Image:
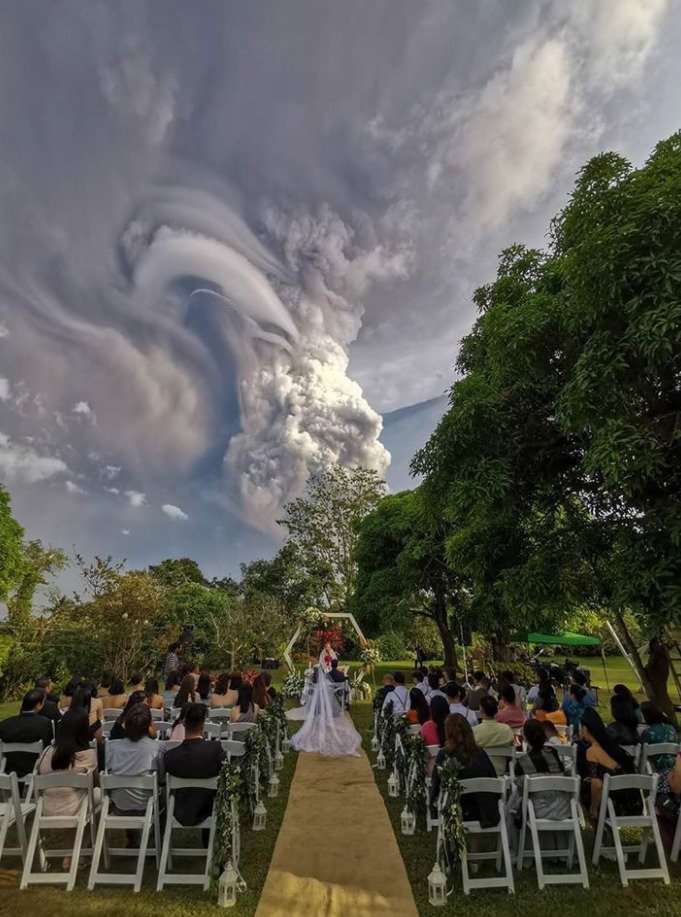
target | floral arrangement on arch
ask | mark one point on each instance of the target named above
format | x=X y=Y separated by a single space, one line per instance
x=370 y=656
x=331 y=635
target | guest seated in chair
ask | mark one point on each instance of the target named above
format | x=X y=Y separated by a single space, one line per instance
x=509 y=712
x=474 y=761
x=419 y=711
x=29 y=726
x=397 y=702
x=624 y=726
x=245 y=710
x=116 y=699
x=605 y=756
x=489 y=733
x=195 y=758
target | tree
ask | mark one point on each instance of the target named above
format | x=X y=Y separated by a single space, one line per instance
x=177 y=570
x=11 y=540
x=322 y=528
x=558 y=464
x=403 y=572
x=39 y=562
x=256 y=626
x=282 y=579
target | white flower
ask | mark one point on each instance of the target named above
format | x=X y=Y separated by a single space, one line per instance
x=125 y=615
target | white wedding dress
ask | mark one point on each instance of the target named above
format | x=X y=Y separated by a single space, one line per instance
x=326 y=729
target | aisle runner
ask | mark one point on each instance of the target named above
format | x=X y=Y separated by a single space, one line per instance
x=336 y=854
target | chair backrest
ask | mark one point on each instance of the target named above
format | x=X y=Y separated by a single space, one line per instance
x=568 y=755
x=415 y=729
x=496 y=785
x=9 y=788
x=233 y=749
x=62 y=778
x=190 y=783
x=660 y=748
x=9 y=748
x=212 y=730
x=157 y=714
x=163 y=730
x=219 y=713
x=646 y=783
x=107 y=727
x=119 y=781
x=541 y=783
x=633 y=750
x=500 y=751
x=240 y=727
x=433 y=750
x=112 y=713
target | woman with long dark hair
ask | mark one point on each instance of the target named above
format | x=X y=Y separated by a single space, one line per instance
x=245 y=710
x=220 y=696
x=186 y=694
x=204 y=686
x=624 y=726
x=625 y=692
x=474 y=762
x=70 y=752
x=418 y=711
x=605 y=756
x=260 y=696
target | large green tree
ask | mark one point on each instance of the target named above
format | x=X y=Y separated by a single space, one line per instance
x=322 y=529
x=11 y=541
x=558 y=464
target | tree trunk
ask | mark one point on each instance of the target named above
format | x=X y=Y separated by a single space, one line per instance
x=632 y=649
x=501 y=649
x=657 y=672
x=448 y=641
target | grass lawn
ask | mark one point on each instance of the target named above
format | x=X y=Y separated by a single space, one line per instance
x=605 y=898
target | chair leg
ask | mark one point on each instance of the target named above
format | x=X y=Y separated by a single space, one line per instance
x=617 y=840
x=659 y=846
x=581 y=858
x=643 y=851
x=209 y=855
x=4 y=828
x=32 y=844
x=598 y=842
x=144 y=843
x=78 y=843
x=99 y=843
x=507 y=854
x=166 y=844
x=536 y=846
x=676 y=844
x=571 y=852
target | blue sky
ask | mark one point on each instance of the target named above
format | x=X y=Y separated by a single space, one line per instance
x=239 y=243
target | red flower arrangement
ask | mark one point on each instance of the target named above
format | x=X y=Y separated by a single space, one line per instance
x=331 y=635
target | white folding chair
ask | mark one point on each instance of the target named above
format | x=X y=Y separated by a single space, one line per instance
x=163 y=730
x=157 y=714
x=676 y=843
x=83 y=818
x=220 y=715
x=415 y=729
x=507 y=752
x=237 y=729
x=13 y=812
x=212 y=730
x=112 y=713
x=652 y=751
x=502 y=856
x=647 y=821
x=563 y=731
x=571 y=826
x=233 y=749
x=30 y=748
x=634 y=751
x=168 y=852
x=108 y=821
x=107 y=726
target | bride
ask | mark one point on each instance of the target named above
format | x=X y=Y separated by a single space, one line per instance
x=326 y=730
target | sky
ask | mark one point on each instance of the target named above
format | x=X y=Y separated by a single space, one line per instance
x=239 y=242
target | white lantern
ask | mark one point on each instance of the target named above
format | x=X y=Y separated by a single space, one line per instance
x=227 y=886
x=278 y=760
x=380 y=760
x=259 y=817
x=408 y=820
x=392 y=785
x=273 y=788
x=286 y=744
x=437 y=887
x=375 y=743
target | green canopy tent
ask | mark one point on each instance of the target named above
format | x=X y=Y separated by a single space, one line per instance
x=567 y=638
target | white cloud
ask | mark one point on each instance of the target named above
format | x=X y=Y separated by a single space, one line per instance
x=4 y=330
x=173 y=512
x=23 y=463
x=74 y=488
x=111 y=471
x=135 y=498
x=5 y=391
x=125 y=531
x=83 y=409
x=112 y=490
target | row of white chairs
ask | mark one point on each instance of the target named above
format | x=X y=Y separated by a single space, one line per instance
x=212 y=730
x=532 y=827
x=96 y=819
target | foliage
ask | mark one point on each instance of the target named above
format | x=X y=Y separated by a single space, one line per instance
x=403 y=570
x=255 y=766
x=416 y=792
x=322 y=529
x=283 y=579
x=392 y=645
x=39 y=562
x=175 y=571
x=293 y=686
x=11 y=554
x=257 y=625
x=230 y=785
x=452 y=816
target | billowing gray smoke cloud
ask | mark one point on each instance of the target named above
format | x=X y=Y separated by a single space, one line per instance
x=271 y=211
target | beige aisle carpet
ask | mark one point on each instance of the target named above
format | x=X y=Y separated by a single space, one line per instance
x=336 y=854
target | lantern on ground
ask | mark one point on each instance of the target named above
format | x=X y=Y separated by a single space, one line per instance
x=286 y=744
x=259 y=817
x=380 y=760
x=437 y=887
x=273 y=786
x=278 y=760
x=408 y=820
x=227 y=884
x=375 y=744
x=392 y=785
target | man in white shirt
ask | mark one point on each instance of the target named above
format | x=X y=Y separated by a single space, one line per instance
x=455 y=694
x=419 y=678
x=435 y=685
x=490 y=733
x=397 y=702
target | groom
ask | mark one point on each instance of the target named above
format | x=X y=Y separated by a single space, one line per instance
x=334 y=674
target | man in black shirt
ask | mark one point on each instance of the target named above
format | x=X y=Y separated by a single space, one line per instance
x=28 y=726
x=334 y=674
x=198 y=759
x=51 y=703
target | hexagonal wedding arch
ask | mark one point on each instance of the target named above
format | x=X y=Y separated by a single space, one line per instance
x=327 y=614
